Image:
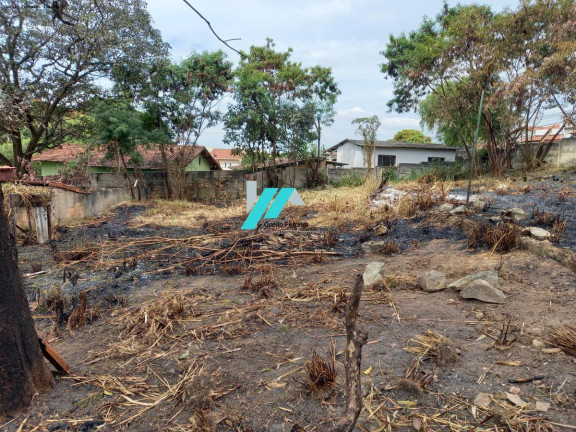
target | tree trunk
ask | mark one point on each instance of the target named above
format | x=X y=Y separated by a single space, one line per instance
x=23 y=371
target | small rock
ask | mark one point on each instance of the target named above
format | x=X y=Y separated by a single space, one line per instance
x=479 y=205
x=373 y=273
x=483 y=400
x=458 y=210
x=373 y=246
x=515 y=213
x=380 y=230
x=490 y=276
x=537 y=343
x=483 y=291
x=445 y=207
x=540 y=406
x=536 y=331
x=537 y=233
x=515 y=399
x=514 y=390
x=432 y=281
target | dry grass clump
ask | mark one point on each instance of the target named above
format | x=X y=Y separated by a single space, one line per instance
x=340 y=301
x=156 y=318
x=187 y=214
x=394 y=282
x=262 y=281
x=331 y=238
x=501 y=239
x=390 y=247
x=547 y=218
x=433 y=345
x=563 y=336
x=425 y=201
x=320 y=374
x=415 y=381
x=558 y=230
x=84 y=252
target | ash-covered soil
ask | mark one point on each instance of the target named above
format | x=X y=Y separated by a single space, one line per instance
x=200 y=337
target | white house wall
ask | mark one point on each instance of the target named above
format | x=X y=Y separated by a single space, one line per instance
x=353 y=155
x=415 y=156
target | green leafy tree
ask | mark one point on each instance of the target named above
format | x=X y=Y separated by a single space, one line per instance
x=182 y=100
x=368 y=127
x=411 y=136
x=468 y=49
x=51 y=66
x=279 y=106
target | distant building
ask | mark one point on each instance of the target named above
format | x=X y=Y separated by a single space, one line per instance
x=52 y=161
x=225 y=158
x=389 y=153
x=548 y=133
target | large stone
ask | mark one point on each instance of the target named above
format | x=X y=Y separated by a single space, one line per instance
x=445 y=207
x=537 y=233
x=373 y=273
x=515 y=213
x=373 y=246
x=458 y=210
x=490 y=276
x=483 y=291
x=432 y=281
x=478 y=205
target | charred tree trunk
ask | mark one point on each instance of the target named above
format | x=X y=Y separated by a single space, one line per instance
x=355 y=340
x=23 y=371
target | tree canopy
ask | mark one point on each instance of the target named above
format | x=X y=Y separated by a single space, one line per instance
x=50 y=67
x=467 y=49
x=412 y=136
x=279 y=106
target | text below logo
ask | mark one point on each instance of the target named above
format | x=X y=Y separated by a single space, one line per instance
x=268 y=205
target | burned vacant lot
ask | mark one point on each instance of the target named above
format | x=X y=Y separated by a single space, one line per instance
x=171 y=318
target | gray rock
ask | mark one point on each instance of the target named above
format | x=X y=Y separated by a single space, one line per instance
x=490 y=276
x=483 y=291
x=537 y=233
x=479 y=205
x=373 y=246
x=432 y=281
x=458 y=210
x=515 y=213
x=373 y=273
x=445 y=207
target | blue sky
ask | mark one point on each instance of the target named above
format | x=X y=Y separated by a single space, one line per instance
x=346 y=35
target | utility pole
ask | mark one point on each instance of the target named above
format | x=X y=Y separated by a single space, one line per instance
x=473 y=164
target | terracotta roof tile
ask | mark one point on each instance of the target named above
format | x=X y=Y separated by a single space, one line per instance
x=152 y=158
x=225 y=154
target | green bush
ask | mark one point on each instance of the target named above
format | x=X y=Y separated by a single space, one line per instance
x=439 y=171
x=350 y=180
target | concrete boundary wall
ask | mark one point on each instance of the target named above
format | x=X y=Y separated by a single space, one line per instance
x=562 y=153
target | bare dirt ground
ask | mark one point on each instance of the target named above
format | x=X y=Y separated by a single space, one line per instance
x=196 y=326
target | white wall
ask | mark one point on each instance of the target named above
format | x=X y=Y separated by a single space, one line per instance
x=353 y=155
x=415 y=156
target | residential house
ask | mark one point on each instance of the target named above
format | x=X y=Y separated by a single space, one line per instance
x=389 y=153
x=548 y=133
x=225 y=158
x=53 y=161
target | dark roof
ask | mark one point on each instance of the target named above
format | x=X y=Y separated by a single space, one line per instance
x=395 y=144
x=152 y=158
